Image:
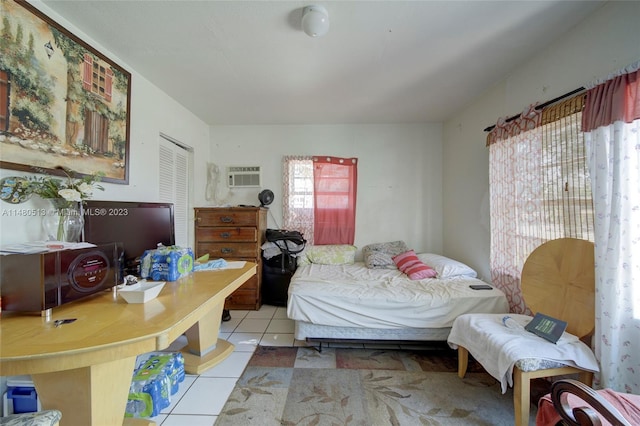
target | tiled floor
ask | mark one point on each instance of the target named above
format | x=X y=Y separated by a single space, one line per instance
x=200 y=398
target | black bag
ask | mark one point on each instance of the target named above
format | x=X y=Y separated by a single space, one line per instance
x=282 y=262
x=282 y=238
x=275 y=235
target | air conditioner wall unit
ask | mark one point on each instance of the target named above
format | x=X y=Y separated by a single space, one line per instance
x=243 y=176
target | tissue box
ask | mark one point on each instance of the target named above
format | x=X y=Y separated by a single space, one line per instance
x=154 y=381
x=166 y=263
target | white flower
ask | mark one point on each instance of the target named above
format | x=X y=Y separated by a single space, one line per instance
x=70 y=194
x=86 y=189
x=70 y=189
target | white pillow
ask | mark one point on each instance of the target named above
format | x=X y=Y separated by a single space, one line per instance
x=445 y=267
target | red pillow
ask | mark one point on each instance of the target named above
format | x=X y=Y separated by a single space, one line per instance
x=409 y=263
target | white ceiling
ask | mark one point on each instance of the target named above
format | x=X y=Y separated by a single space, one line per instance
x=248 y=62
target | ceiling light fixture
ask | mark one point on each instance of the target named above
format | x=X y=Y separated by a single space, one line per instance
x=315 y=21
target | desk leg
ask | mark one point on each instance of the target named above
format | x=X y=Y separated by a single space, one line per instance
x=204 y=350
x=94 y=395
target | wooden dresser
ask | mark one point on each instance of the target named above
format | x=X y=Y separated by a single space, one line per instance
x=234 y=233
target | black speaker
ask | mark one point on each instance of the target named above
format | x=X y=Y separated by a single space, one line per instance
x=41 y=281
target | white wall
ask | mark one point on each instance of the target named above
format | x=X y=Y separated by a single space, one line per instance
x=399 y=173
x=412 y=186
x=606 y=41
x=152 y=113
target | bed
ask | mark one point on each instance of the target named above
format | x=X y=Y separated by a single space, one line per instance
x=333 y=297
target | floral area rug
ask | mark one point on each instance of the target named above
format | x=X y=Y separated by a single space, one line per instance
x=301 y=386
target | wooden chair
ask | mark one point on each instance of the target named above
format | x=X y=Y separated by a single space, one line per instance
x=558 y=279
x=584 y=415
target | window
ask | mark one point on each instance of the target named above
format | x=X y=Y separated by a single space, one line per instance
x=97 y=78
x=334 y=185
x=539 y=188
x=320 y=197
x=297 y=197
x=568 y=205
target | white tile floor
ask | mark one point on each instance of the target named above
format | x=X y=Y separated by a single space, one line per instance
x=200 y=398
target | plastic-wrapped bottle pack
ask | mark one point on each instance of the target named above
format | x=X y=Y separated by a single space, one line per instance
x=156 y=378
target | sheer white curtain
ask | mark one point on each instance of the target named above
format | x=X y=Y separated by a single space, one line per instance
x=539 y=188
x=515 y=178
x=297 y=195
x=613 y=148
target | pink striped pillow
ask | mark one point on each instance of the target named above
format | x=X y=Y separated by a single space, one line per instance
x=409 y=263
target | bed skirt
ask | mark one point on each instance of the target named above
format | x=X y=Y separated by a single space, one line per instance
x=308 y=331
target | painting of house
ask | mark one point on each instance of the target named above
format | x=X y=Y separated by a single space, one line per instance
x=62 y=104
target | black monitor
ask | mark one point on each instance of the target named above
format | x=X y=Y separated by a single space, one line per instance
x=139 y=226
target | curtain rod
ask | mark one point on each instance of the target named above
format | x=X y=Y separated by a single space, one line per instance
x=545 y=104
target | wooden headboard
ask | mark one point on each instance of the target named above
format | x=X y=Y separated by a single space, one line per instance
x=558 y=279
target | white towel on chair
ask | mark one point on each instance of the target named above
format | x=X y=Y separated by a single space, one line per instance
x=498 y=348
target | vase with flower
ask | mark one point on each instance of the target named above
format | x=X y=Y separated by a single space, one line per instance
x=64 y=221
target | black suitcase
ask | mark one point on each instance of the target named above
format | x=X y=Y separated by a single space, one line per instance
x=276 y=276
x=278 y=270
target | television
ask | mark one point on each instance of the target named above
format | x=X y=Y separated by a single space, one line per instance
x=137 y=225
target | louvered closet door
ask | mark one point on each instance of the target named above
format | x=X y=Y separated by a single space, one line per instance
x=174 y=175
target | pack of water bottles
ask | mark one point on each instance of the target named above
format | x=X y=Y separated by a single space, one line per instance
x=166 y=263
x=157 y=377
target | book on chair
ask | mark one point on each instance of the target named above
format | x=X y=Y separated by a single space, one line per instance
x=547 y=327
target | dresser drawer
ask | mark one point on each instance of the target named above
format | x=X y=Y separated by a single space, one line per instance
x=233 y=233
x=221 y=234
x=227 y=217
x=229 y=250
x=247 y=296
x=243 y=300
x=251 y=285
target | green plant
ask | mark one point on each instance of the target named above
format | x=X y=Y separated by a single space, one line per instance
x=70 y=189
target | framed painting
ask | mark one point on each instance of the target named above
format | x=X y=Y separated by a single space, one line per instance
x=62 y=103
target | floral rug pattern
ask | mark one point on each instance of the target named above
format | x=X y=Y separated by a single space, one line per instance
x=363 y=387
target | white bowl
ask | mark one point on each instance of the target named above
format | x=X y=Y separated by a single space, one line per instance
x=141 y=292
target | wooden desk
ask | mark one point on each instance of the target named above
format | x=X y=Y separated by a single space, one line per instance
x=85 y=368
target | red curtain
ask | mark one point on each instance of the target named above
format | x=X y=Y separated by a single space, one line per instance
x=617 y=99
x=335 y=181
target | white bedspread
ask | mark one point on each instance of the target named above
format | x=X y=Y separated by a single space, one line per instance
x=498 y=348
x=357 y=296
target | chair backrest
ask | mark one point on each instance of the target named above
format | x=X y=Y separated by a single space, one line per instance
x=588 y=406
x=558 y=279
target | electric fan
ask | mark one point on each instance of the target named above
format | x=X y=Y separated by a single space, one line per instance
x=266 y=197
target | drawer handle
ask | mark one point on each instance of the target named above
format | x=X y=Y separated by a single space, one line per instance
x=226 y=219
x=227 y=250
x=225 y=234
